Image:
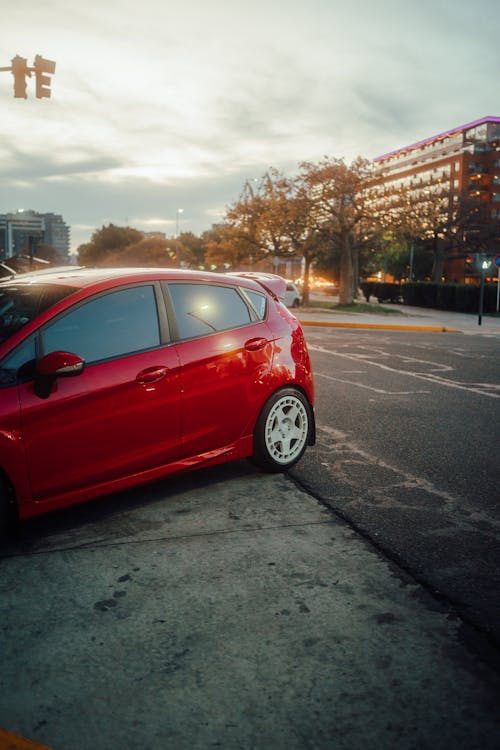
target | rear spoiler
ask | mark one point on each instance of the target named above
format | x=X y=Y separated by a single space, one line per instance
x=275 y=285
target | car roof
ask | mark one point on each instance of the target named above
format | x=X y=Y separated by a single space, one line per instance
x=80 y=277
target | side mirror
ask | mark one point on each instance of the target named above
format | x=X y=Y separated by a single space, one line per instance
x=55 y=365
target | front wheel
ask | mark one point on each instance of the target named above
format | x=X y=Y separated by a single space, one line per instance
x=282 y=430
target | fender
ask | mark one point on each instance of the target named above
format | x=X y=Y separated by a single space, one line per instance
x=12 y=451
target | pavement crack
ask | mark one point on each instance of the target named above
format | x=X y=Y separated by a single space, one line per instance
x=163 y=538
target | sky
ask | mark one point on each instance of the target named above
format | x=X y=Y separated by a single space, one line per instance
x=159 y=106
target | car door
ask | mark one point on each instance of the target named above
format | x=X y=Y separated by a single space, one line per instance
x=225 y=351
x=121 y=415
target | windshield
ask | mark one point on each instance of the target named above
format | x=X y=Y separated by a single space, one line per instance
x=19 y=304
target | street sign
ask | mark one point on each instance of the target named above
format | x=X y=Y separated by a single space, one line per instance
x=496 y=261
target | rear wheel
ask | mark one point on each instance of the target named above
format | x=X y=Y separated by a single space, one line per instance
x=282 y=430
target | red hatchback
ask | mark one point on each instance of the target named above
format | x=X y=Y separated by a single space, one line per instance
x=114 y=377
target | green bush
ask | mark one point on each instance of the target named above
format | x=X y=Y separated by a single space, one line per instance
x=457 y=297
x=490 y=298
x=368 y=289
x=412 y=293
x=383 y=291
x=467 y=298
x=446 y=296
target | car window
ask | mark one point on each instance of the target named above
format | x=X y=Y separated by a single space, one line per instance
x=201 y=309
x=110 y=325
x=11 y=364
x=258 y=301
x=19 y=304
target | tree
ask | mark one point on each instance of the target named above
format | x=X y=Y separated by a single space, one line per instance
x=192 y=250
x=47 y=252
x=106 y=241
x=275 y=220
x=341 y=195
x=225 y=249
x=149 y=252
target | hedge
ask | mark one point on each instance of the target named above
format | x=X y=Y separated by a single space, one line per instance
x=457 y=297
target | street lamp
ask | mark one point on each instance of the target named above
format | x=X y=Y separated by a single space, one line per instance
x=177 y=221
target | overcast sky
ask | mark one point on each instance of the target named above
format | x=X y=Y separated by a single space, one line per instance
x=159 y=105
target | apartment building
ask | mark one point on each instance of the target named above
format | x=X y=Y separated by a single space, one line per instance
x=461 y=169
x=17 y=227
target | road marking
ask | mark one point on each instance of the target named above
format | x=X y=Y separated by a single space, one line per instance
x=490 y=390
x=368 y=387
x=330 y=438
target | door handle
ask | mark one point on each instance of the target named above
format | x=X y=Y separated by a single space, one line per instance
x=151 y=375
x=254 y=345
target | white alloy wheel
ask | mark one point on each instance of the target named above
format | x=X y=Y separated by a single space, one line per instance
x=282 y=430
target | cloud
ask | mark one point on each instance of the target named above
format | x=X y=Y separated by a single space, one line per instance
x=158 y=106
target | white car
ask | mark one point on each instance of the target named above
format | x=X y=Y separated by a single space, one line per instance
x=292 y=295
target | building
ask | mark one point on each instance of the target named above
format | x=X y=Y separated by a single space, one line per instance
x=22 y=229
x=461 y=169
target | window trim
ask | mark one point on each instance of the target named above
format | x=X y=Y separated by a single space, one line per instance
x=174 y=327
x=161 y=314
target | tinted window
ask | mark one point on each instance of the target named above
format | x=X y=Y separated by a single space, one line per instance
x=258 y=303
x=110 y=325
x=19 y=304
x=201 y=309
x=11 y=364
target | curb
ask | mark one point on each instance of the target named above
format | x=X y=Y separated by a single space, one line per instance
x=11 y=741
x=379 y=326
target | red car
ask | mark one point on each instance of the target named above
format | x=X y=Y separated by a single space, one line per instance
x=114 y=377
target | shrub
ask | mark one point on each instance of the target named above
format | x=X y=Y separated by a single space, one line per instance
x=446 y=296
x=467 y=298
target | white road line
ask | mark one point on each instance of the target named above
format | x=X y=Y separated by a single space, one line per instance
x=368 y=387
x=490 y=390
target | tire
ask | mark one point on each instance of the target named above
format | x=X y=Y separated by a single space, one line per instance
x=296 y=302
x=282 y=430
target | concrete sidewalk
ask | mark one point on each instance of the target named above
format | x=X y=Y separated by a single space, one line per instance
x=403 y=318
x=229 y=609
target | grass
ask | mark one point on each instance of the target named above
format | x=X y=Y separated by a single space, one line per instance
x=358 y=307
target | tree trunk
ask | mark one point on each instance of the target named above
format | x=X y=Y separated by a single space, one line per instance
x=438 y=263
x=346 y=296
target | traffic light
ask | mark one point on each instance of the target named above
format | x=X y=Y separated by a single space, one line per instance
x=43 y=70
x=20 y=70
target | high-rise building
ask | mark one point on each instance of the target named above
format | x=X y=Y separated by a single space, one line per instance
x=19 y=229
x=460 y=167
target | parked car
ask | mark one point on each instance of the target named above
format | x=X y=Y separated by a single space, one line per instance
x=292 y=295
x=114 y=377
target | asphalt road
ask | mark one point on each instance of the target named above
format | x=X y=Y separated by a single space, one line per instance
x=408 y=453
x=229 y=608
